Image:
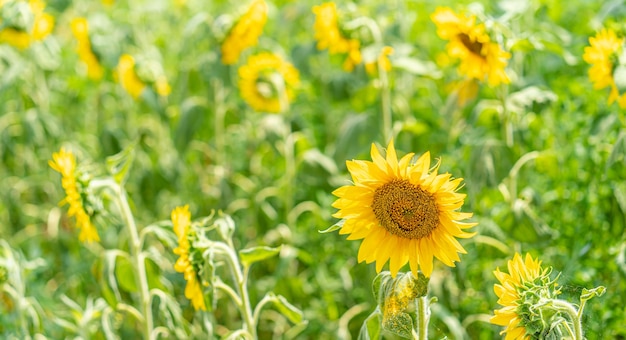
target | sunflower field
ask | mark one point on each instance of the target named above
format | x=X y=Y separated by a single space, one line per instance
x=275 y=169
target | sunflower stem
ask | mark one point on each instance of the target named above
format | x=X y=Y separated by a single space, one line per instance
x=385 y=101
x=571 y=311
x=138 y=259
x=220 y=112
x=241 y=280
x=507 y=126
x=423 y=317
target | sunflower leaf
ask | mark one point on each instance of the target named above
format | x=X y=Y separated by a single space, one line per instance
x=371 y=326
x=333 y=227
x=250 y=255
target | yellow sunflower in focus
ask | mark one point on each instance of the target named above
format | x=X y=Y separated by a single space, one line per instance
x=267 y=82
x=602 y=55
x=245 y=33
x=127 y=76
x=181 y=220
x=329 y=35
x=469 y=42
x=64 y=162
x=22 y=37
x=522 y=272
x=403 y=212
x=80 y=28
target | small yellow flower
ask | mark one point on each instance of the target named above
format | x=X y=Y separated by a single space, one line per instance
x=267 y=82
x=64 y=162
x=181 y=220
x=329 y=36
x=80 y=28
x=245 y=33
x=127 y=76
x=602 y=54
x=403 y=212
x=42 y=26
x=480 y=57
x=383 y=59
x=522 y=272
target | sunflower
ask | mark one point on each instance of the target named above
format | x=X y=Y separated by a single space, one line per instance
x=267 y=82
x=329 y=36
x=21 y=37
x=602 y=55
x=245 y=33
x=80 y=28
x=480 y=57
x=64 y=162
x=524 y=275
x=403 y=212
x=127 y=76
x=181 y=220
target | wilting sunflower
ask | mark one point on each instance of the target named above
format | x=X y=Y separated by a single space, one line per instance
x=267 y=82
x=17 y=34
x=181 y=220
x=603 y=55
x=329 y=35
x=480 y=57
x=403 y=212
x=525 y=275
x=65 y=163
x=245 y=33
x=127 y=76
x=80 y=28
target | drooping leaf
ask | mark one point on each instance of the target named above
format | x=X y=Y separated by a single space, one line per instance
x=333 y=227
x=119 y=164
x=291 y=312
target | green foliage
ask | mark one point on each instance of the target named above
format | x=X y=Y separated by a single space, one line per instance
x=542 y=160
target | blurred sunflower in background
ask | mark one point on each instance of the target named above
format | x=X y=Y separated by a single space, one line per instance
x=80 y=28
x=403 y=212
x=329 y=35
x=24 y=22
x=181 y=221
x=245 y=32
x=267 y=82
x=604 y=56
x=480 y=58
x=64 y=162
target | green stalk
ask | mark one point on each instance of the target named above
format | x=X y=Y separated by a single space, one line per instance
x=241 y=280
x=571 y=311
x=423 y=316
x=138 y=258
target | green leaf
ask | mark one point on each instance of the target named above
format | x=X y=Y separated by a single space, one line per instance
x=250 y=255
x=591 y=293
x=371 y=326
x=333 y=227
x=125 y=275
x=119 y=164
x=400 y=324
x=193 y=112
x=291 y=312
